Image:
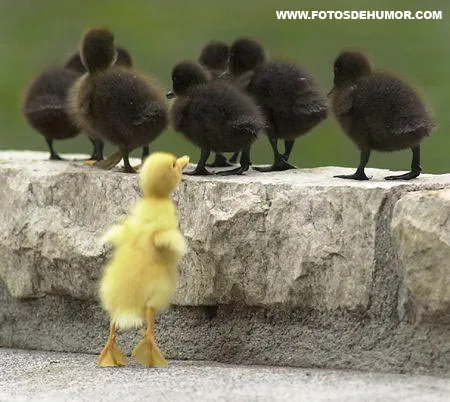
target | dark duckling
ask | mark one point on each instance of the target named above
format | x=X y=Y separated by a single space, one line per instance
x=117 y=104
x=378 y=112
x=214 y=57
x=291 y=101
x=45 y=105
x=213 y=115
x=125 y=60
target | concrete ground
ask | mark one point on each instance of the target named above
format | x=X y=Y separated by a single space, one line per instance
x=46 y=376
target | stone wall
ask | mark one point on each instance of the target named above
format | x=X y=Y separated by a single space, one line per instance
x=294 y=268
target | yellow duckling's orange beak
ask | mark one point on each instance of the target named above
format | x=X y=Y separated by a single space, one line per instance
x=183 y=161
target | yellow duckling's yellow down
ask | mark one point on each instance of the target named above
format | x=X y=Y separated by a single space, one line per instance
x=141 y=276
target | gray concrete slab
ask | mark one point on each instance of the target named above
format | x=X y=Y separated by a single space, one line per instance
x=47 y=376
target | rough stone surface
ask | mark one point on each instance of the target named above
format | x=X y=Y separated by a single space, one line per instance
x=294 y=268
x=38 y=376
x=421 y=225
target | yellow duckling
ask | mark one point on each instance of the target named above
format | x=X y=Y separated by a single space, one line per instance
x=141 y=277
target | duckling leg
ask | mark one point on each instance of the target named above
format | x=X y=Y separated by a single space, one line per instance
x=279 y=163
x=288 y=145
x=145 y=153
x=245 y=164
x=111 y=355
x=359 y=174
x=219 y=161
x=54 y=156
x=111 y=161
x=234 y=157
x=200 y=170
x=415 y=167
x=97 y=152
x=148 y=352
x=127 y=168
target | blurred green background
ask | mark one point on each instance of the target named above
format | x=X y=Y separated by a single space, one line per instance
x=37 y=34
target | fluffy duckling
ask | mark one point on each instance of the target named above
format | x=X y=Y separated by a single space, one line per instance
x=213 y=115
x=117 y=104
x=291 y=101
x=214 y=57
x=45 y=105
x=378 y=112
x=75 y=63
x=141 y=276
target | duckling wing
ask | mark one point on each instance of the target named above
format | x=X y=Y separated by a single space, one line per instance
x=148 y=114
x=394 y=103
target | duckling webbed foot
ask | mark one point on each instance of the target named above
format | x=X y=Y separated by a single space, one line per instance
x=245 y=165
x=147 y=351
x=54 y=156
x=407 y=176
x=415 y=167
x=200 y=169
x=109 y=162
x=111 y=355
x=220 y=161
x=279 y=165
x=360 y=173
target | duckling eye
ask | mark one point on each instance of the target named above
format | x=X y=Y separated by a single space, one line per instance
x=174 y=164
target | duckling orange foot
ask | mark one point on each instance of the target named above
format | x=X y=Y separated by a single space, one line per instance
x=148 y=353
x=111 y=355
x=220 y=161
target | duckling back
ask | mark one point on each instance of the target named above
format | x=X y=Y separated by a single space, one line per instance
x=292 y=102
x=382 y=112
x=140 y=274
x=45 y=103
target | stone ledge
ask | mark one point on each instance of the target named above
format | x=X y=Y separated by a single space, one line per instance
x=297 y=240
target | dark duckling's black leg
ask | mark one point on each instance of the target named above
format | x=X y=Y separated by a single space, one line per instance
x=288 y=145
x=145 y=152
x=200 y=170
x=234 y=157
x=279 y=163
x=245 y=164
x=219 y=161
x=127 y=168
x=415 y=167
x=54 y=156
x=97 y=153
x=359 y=174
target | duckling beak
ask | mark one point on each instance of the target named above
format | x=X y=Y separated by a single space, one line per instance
x=183 y=161
x=170 y=95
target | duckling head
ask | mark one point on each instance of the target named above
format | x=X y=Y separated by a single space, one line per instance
x=245 y=55
x=185 y=76
x=350 y=66
x=161 y=174
x=97 y=50
x=123 y=58
x=214 y=55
